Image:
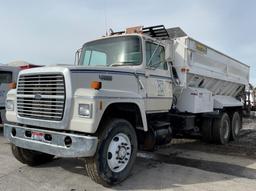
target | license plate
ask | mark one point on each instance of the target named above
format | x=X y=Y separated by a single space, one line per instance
x=38 y=136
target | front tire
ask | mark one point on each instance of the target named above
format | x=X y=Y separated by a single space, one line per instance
x=116 y=153
x=29 y=157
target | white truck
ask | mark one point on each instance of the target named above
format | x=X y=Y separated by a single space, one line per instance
x=133 y=89
x=8 y=75
x=8 y=79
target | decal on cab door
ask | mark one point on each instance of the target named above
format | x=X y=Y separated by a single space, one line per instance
x=160 y=88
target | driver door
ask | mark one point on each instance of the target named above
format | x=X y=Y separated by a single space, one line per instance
x=158 y=79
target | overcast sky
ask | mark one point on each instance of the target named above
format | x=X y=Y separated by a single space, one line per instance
x=50 y=31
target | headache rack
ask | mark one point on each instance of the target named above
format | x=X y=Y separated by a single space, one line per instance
x=158 y=31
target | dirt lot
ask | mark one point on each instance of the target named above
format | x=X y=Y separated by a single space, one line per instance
x=186 y=164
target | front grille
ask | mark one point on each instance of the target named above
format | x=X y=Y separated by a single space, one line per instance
x=41 y=96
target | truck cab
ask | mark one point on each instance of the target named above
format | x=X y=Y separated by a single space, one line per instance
x=142 y=56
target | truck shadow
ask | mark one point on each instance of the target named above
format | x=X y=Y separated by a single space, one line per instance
x=156 y=171
x=75 y=166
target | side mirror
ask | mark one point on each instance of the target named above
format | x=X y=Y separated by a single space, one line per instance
x=169 y=60
x=174 y=74
x=77 y=56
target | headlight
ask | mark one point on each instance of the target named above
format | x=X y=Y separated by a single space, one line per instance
x=85 y=110
x=9 y=105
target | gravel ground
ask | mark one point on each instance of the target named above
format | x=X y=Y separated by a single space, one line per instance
x=186 y=164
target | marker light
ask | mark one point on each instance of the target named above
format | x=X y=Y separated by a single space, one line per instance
x=96 y=85
x=12 y=85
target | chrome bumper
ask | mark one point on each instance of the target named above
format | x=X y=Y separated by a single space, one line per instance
x=82 y=146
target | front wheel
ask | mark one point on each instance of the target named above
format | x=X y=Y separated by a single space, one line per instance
x=116 y=153
x=29 y=157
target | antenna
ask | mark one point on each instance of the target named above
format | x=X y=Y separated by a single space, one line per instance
x=105 y=17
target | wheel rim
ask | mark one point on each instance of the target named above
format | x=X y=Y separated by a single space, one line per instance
x=225 y=129
x=119 y=152
x=237 y=127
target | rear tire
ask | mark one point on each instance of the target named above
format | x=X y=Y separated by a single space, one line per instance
x=29 y=157
x=221 y=129
x=236 y=125
x=116 y=153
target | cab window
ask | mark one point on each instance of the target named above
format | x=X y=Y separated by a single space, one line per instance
x=5 y=77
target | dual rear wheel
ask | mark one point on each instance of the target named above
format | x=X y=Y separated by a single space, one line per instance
x=236 y=126
x=223 y=129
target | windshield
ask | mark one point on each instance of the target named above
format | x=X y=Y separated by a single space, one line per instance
x=117 y=51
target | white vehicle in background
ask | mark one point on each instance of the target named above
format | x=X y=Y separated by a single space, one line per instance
x=131 y=90
x=8 y=76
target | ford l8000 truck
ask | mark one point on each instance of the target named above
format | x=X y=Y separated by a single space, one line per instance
x=130 y=90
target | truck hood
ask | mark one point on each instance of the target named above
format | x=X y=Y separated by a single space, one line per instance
x=132 y=69
x=52 y=69
x=77 y=77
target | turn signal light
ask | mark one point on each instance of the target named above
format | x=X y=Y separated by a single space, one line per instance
x=96 y=85
x=12 y=85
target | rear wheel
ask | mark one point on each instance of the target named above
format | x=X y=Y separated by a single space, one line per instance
x=236 y=125
x=116 y=153
x=221 y=129
x=29 y=157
